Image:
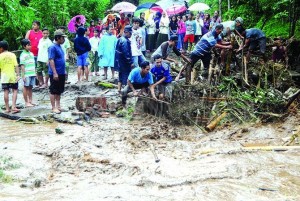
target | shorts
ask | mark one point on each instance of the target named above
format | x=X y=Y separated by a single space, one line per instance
x=82 y=60
x=123 y=77
x=161 y=88
x=29 y=81
x=190 y=38
x=205 y=60
x=7 y=86
x=42 y=67
x=259 y=42
x=57 y=87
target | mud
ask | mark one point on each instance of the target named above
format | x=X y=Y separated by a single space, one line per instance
x=112 y=158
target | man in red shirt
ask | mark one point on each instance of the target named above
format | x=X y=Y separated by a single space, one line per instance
x=34 y=37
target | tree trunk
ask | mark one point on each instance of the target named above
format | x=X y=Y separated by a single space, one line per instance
x=220 y=8
x=228 y=5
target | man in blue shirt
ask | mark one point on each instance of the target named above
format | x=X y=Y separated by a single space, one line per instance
x=254 y=38
x=203 y=48
x=57 y=70
x=139 y=78
x=161 y=72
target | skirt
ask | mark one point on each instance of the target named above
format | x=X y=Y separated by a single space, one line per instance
x=150 y=45
x=161 y=38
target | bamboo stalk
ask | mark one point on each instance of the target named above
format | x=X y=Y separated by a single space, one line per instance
x=214 y=123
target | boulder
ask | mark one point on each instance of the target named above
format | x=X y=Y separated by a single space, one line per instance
x=83 y=102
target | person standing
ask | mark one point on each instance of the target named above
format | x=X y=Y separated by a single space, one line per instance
x=34 y=37
x=136 y=43
x=94 y=41
x=9 y=76
x=173 y=26
x=123 y=57
x=106 y=52
x=206 y=24
x=82 y=47
x=151 y=33
x=181 y=32
x=28 y=72
x=189 y=37
x=163 y=30
x=92 y=27
x=66 y=48
x=199 y=25
x=157 y=22
x=42 y=59
x=57 y=70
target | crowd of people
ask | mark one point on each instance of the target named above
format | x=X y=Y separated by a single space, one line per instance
x=121 y=44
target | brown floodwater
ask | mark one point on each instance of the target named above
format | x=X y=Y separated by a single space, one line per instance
x=112 y=159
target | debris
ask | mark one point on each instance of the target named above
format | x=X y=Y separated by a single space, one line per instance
x=58 y=130
x=211 y=126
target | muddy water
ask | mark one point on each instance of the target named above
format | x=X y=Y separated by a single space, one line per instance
x=111 y=159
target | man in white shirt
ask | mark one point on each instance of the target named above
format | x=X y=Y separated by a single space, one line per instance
x=136 y=40
x=94 y=41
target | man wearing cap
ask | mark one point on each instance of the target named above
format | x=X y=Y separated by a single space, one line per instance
x=123 y=57
x=57 y=70
x=166 y=47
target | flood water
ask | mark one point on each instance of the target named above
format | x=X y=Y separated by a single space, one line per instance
x=112 y=159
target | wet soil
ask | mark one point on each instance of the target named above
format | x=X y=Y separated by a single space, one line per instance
x=114 y=159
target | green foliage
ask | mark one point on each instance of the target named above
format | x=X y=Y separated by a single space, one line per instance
x=15 y=21
x=272 y=16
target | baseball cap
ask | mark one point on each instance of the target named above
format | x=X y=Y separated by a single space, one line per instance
x=59 y=33
x=239 y=19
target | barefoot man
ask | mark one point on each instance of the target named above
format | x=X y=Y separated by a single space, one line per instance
x=57 y=70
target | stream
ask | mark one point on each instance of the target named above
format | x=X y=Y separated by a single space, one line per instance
x=112 y=159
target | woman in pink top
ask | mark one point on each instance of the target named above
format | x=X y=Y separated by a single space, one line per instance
x=34 y=37
x=181 y=31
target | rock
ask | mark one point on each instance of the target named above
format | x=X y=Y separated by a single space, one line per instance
x=58 y=131
x=77 y=113
x=80 y=123
x=82 y=102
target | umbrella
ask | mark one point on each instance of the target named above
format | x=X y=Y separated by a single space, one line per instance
x=124 y=7
x=109 y=16
x=71 y=24
x=146 y=5
x=165 y=4
x=175 y=9
x=148 y=11
x=199 y=7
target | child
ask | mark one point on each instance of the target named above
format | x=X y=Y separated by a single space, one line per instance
x=9 y=68
x=42 y=58
x=82 y=46
x=94 y=41
x=28 y=72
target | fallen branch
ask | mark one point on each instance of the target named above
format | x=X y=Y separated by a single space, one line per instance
x=211 y=126
x=146 y=97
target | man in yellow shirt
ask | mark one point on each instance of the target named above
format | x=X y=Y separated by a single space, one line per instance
x=9 y=76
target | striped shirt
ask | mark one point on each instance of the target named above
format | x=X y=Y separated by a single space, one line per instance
x=27 y=59
x=206 y=43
